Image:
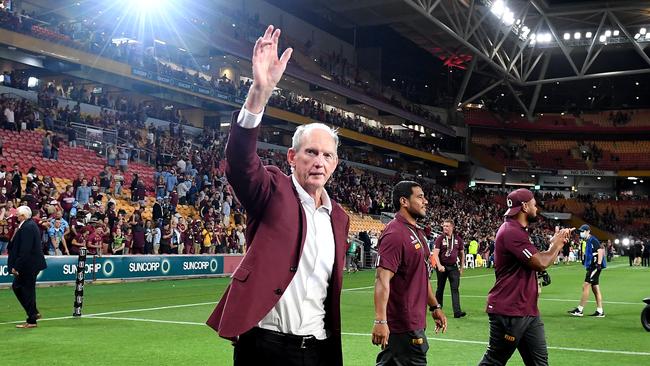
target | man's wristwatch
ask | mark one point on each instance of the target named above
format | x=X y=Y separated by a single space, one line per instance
x=435 y=307
x=381 y=322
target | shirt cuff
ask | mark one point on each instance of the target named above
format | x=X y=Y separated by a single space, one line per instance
x=248 y=119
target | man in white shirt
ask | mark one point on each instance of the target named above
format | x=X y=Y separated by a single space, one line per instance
x=295 y=234
x=9 y=115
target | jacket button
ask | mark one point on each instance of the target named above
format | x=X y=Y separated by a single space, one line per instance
x=293 y=269
x=278 y=291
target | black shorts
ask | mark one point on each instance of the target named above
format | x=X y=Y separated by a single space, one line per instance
x=593 y=276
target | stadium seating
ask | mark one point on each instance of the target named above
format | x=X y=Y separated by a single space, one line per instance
x=565 y=154
x=363 y=223
x=26 y=147
x=635 y=120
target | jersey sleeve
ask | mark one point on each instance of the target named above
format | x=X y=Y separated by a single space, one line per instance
x=522 y=248
x=390 y=252
x=438 y=243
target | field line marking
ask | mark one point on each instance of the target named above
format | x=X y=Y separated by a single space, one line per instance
x=638 y=303
x=549 y=347
x=40 y=320
x=147 y=320
x=151 y=309
x=368 y=335
x=433 y=280
x=120 y=312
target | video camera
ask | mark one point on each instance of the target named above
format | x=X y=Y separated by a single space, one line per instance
x=544 y=277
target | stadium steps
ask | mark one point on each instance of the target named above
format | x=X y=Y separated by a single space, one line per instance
x=360 y=222
x=484 y=158
x=25 y=148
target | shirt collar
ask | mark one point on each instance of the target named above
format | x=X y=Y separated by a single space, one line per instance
x=306 y=198
x=514 y=221
x=402 y=219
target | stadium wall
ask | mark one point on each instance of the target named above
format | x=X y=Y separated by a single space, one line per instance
x=63 y=269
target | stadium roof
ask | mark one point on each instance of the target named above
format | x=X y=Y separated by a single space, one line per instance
x=523 y=44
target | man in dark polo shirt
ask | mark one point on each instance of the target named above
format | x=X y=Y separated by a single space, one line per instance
x=402 y=288
x=512 y=302
x=594 y=262
x=448 y=248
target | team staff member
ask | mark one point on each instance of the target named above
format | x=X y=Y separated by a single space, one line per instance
x=594 y=263
x=283 y=304
x=402 y=287
x=512 y=302
x=448 y=248
x=25 y=261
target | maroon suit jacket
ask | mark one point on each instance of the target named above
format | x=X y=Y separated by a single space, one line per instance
x=276 y=231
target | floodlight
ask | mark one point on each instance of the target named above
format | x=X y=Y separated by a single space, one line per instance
x=498 y=8
x=642 y=30
x=616 y=33
x=567 y=36
x=588 y=35
x=602 y=39
x=636 y=36
x=577 y=35
x=508 y=18
x=617 y=241
x=608 y=33
x=626 y=241
x=146 y=5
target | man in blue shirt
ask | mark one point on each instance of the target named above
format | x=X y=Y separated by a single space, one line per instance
x=594 y=262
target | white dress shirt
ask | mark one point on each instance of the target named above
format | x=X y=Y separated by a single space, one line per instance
x=301 y=309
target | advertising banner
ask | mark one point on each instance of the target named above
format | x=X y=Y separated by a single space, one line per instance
x=118 y=267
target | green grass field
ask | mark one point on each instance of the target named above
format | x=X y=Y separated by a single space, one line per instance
x=162 y=323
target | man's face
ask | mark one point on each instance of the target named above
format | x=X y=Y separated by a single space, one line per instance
x=316 y=160
x=84 y=182
x=447 y=228
x=530 y=208
x=417 y=203
x=57 y=224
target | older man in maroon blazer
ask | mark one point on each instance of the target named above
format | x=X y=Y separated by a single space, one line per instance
x=283 y=304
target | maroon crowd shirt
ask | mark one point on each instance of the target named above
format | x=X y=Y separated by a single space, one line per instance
x=515 y=290
x=450 y=248
x=404 y=254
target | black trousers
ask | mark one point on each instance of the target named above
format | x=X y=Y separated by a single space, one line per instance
x=405 y=349
x=24 y=287
x=508 y=333
x=262 y=347
x=453 y=274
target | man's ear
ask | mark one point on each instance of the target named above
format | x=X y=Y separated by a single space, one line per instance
x=291 y=157
x=403 y=202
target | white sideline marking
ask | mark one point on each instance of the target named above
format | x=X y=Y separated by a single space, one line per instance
x=368 y=335
x=638 y=303
x=433 y=280
x=147 y=320
x=121 y=312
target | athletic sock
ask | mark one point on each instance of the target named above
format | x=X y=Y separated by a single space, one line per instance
x=580 y=308
x=599 y=310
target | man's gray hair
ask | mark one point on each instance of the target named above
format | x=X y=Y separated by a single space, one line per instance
x=296 y=141
x=25 y=210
